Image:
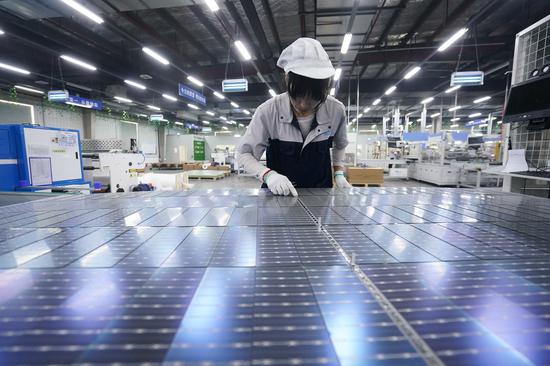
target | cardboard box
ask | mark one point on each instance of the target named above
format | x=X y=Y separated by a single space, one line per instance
x=374 y=176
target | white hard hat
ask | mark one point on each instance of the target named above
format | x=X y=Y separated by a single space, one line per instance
x=306 y=57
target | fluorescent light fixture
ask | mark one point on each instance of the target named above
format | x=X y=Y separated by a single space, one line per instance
x=483 y=125
x=29 y=89
x=419 y=120
x=481 y=100
x=195 y=81
x=155 y=55
x=337 y=74
x=178 y=123
x=223 y=118
x=390 y=90
x=241 y=125
x=78 y=62
x=155 y=108
x=210 y=113
x=224 y=128
x=134 y=84
x=2 y=32
x=125 y=100
x=246 y=112
x=360 y=115
x=454 y=126
x=83 y=10
x=345 y=43
x=455 y=119
x=242 y=49
x=231 y=122
x=205 y=122
x=237 y=135
x=170 y=97
x=474 y=115
x=332 y=91
x=450 y=90
x=377 y=101
x=192 y=106
x=412 y=72
x=366 y=110
x=219 y=95
x=427 y=100
x=272 y=92
x=373 y=126
x=435 y=115
x=455 y=37
x=455 y=108
x=235 y=105
x=499 y=122
x=14 y=68
x=212 y=5
x=354 y=120
x=429 y=126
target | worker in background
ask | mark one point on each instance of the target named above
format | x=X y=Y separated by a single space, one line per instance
x=298 y=128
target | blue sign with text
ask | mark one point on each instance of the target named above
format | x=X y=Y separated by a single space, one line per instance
x=191 y=94
x=84 y=102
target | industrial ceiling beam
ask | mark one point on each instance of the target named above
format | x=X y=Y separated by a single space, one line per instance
x=391 y=22
x=346 y=11
x=428 y=11
x=205 y=21
x=456 y=14
x=301 y=12
x=272 y=24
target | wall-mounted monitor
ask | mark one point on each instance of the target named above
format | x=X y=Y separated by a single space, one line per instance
x=529 y=101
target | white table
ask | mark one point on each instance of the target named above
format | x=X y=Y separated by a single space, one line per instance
x=507 y=177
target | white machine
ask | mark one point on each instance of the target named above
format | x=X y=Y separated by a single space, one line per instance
x=118 y=170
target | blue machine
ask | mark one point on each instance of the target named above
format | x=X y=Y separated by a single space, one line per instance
x=32 y=156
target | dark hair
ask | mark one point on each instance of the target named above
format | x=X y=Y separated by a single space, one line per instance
x=301 y=86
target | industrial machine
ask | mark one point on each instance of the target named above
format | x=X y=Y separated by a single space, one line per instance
x=36 y=158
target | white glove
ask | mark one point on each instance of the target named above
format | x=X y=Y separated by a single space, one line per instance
x=279 y=184
x=341 y=181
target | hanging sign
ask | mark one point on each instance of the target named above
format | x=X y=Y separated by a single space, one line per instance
x=84 y=103
x=234 y=85
x=191 y=94
x=156 y=117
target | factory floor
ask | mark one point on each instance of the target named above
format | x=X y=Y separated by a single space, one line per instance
x=388 y=276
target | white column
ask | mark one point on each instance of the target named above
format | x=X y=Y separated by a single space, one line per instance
x=406 y=126
x=423 y=117
x=490 y=124
x=396 y=121
x=385 y=125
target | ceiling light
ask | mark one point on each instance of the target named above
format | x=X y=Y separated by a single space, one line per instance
x=366 y=110
x=377 y=101
x=170 y=97
x=474 y=115
x=332 y=91
x=224 y=128
x=455 y=37
x=83 y=10
x=427 y=100
x=178 y=123
x=205 y=122
x=419 y=120
x=354 y=120
x=212 y=5
x=210 y=113
x=481 y=100
x=232 y=122
x=429 y=126
x=390 y=90
x=435 y=115
x=450 y=90
x=155 y=55
x=337 y=74
x=219 y=95
x=134 y=84
x=246 y=111
x=235 y=105
x=223 y=118
x=125 y=100
x=29 y=89
x=192 y=106
x=499 y=122
x=455 y=108
x=454 y=126
x=242 y=49
x=483 y=125
x=272 y=92
x=455 y=119
x=345 y=43
x=241 y=125
x=195 y=81
x=413 y=72
x=360 y=115
x=1 y=32
x=155 y=108
x=14 y=68
x=373 y=126
x=78 y=62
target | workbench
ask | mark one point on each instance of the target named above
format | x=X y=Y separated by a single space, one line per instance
x=361 y=276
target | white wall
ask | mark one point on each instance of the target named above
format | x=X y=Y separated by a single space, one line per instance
x=173 y=141
x=59 y=118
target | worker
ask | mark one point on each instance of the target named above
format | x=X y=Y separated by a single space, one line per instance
x=298 y=128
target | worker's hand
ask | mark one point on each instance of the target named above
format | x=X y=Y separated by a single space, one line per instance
x=341 y=181
x=279 y=184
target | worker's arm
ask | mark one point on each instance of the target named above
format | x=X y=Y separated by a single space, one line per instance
x=253 y=145
x=339 y=153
